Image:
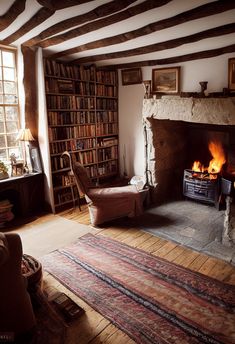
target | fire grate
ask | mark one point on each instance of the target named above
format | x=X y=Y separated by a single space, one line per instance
x=202 y=187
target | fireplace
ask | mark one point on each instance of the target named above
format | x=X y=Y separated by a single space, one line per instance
x=178 y=132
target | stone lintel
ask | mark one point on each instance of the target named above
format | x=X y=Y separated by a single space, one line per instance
x=219 y=111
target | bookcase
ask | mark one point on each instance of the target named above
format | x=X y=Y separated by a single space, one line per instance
x=82 y=114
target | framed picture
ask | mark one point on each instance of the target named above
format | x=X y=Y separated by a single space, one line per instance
x=131 y=76
x=231 y=74
x=166 y=80
x=35 y=158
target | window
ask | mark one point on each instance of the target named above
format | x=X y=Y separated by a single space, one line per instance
x=9 y=109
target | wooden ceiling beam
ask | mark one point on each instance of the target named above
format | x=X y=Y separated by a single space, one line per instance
x=96 y=13
x=7 y=18
x=100 y=23
x=37 y=19
x=196 y=13
x=60 y=4
x=174 y=43
x=176 y=59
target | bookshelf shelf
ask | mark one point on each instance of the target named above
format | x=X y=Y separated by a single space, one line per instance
x=82 y=112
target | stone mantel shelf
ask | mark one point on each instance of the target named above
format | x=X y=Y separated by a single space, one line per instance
x=209 y=110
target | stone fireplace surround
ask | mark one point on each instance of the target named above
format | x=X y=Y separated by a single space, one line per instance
x=169 y=123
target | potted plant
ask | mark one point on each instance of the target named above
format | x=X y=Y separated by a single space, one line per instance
x=3 y=171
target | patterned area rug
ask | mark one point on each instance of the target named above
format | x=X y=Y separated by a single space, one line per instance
x=152 y=300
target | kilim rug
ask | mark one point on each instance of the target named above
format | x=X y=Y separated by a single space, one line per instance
x=152 y=300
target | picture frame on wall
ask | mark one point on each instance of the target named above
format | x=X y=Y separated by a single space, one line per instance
x=131 y=76
x=231 y=74
x=35 y=158
x=166 y=80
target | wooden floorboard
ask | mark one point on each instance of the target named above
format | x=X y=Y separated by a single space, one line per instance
x=93 y=328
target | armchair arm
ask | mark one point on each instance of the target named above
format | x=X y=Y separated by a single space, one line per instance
x=4 y=251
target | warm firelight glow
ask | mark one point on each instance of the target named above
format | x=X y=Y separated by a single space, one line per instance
x=218 y=155
x=197 y=167
x=217 y=161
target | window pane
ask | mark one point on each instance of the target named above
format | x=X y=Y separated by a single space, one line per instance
x=8 y=99
x=0 y=73
x=12 y=127
x=1 y=89
x=0 y=58
x=1 y=99
x=1 y=114
x=9 y=74
x=8 y=59
x=2 y=127
x=11 y=113
x=3 y=154
x=11 y=140
x=9 y=87
x=2 y=141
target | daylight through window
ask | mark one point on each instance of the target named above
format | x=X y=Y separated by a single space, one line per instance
x=9 y=110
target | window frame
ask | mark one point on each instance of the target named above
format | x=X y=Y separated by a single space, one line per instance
x=5 y=134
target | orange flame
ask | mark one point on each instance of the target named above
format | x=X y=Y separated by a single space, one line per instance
x=218 y=155
x=217 y=161
x=197 y=166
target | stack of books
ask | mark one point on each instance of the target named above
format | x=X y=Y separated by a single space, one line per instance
x=5 y=212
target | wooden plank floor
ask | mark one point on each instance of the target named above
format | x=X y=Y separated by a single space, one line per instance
x=94 y=328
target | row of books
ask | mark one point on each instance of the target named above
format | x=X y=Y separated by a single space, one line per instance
x=105 y=168
x=106 y=141
x=106 y=116
x=89 y=73
x=80 y=144
x=72 y=145
x=106 y=77
x=65 y=196
x=106 y=104
x=106 y=129
x=83 y=88
x=69 y=102
x=87 y=157
x=58 y=163
x=107 y=153
x=54 y=68
x=60 y=179
x=71 y=117
x=80 y=117
x=63 y=133
x=106 y=90
x=59 y=86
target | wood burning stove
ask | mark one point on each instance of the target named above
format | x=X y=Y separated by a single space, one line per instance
x=201 y=186
x=207 y=188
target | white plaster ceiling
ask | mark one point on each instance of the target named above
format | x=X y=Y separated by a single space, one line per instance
x=171 y=9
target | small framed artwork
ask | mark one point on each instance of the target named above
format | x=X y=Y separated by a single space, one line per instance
x=131 y=76
x=166 y=80
x=231 y=74
x=35 y=158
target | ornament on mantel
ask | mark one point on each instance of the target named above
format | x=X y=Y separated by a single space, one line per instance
x=203 y=85
x=147 y=88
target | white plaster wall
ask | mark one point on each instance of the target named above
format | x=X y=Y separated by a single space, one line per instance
x=214 y=70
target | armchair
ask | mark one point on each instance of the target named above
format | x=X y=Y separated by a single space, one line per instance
x=16 y=312
x=108 y=203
